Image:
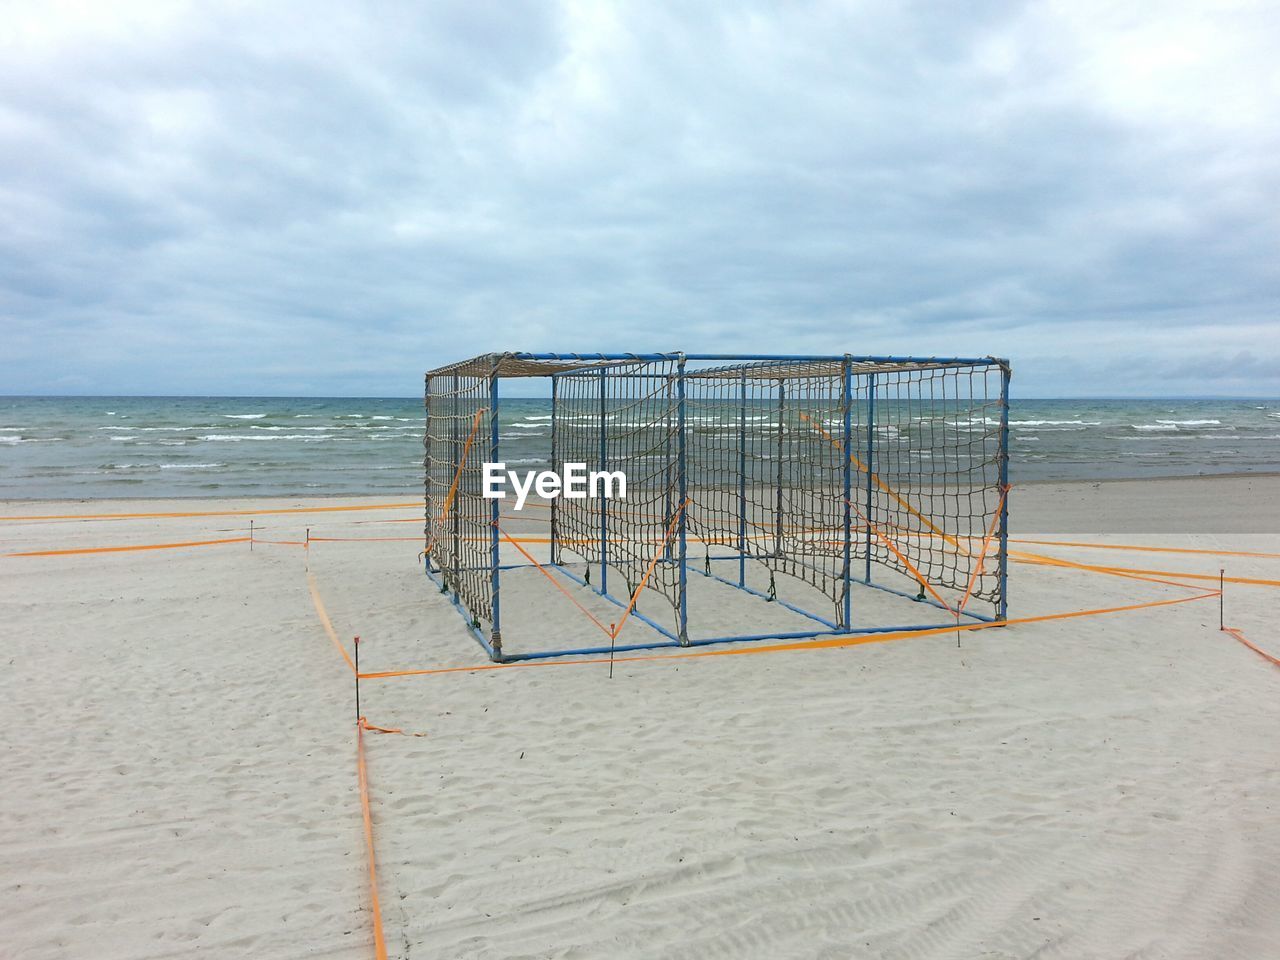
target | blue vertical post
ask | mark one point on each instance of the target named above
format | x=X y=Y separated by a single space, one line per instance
x=555 y=547
x=453 y=471
x=1003 y=611
x=870 y=463
x=604 y=504
x=426 y=469
x=667 y=505
x=846 y=397
x=683 y=480
x=777 y=497
x=494 y=572
x=742 y=484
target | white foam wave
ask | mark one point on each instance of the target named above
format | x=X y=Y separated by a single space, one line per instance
x=245 y=416
x=1154 y=426
x=1054 y=423
x=1190 y=423
x=236 y=438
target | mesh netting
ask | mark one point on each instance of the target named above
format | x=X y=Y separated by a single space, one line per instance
x=458 y=528
x=821 y=471
x=620 y=418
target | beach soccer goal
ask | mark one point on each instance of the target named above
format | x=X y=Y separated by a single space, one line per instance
x=813 y=483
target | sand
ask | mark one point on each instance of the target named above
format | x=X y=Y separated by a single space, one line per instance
x=179 y=758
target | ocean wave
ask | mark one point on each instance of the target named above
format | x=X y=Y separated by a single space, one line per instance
x=107 y=467
x=245 y=416
x=236 y=438
x=382 y=418
x=1154 y=426
x=527 y=426
x=1190 y=423
x=527 y=418
x=1055 y=423
x=31 y=439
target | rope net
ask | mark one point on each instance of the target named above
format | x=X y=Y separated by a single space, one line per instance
x=623 y=418
x=455 y=445
x=822 y=471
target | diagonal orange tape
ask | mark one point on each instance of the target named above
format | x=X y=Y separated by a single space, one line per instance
x=1258 y=650
x=210 y=513
x=850 y=640
x=326 y=623
x=140 y=546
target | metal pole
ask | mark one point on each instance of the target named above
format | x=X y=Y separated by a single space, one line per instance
x=604 y=504
x=251 y=536
x=777 y=499
x=1003 y=611
x=1222 y=584
x=742 y=484
x=555 y=517
x=494 y=574
x=846 y=449
x=683 y=479
x=358 y=714
x=426 y=469
x=455 y=459
x=870 y=462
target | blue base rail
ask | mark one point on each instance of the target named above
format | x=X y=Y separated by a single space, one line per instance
x=669 y=638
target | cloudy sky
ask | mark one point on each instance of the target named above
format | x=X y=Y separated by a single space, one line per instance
x=327 y=200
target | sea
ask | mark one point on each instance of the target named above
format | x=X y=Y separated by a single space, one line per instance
x=129 y=447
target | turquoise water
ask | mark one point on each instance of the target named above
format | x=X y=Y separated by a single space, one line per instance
x=73 y=447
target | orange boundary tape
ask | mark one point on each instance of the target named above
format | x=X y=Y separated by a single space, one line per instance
x=1260 y=652
x=211 y=513
x=326 y=622
x=138 y=546
x=1149 y=549
x=554 y=582
x=905 y=562
x=1139 y=574
x=848 y=640
x=379 y=941
x=982 y=554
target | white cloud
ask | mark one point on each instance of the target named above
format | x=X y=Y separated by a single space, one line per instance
x=330 y=199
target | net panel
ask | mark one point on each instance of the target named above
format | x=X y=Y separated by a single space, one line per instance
x=937 y=451
x=458 y=539
x=623 y=417
x=768 y=470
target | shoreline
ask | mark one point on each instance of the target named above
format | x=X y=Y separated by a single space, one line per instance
x=392 y=495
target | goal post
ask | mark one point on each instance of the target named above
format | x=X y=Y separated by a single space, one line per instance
x=832 y=474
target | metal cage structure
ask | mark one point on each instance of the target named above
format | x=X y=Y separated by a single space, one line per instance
x=820 y=470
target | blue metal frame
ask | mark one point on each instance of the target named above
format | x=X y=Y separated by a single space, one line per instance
x=683 y=480
x=870 y=462
x=604 y=503
x=847 y=476
x=495 y=579
x=759 y=363
x=742 y=485
x=1005 y=374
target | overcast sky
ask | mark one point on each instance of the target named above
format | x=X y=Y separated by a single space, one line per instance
x=327 y=200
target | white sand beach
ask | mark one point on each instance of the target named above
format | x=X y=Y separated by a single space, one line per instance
x=180 y=755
